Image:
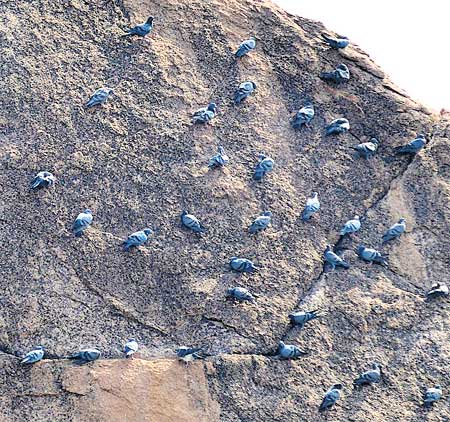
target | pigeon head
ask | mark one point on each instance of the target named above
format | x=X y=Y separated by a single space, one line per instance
x=109 y=90
x=307 y=103
x=147 y=231
x=361 y=248
x=254 y=85
x=261 y=155
x=87 y=211
x=220 y=149
x=267 y=213
x=337 y=386
x=212 y=107
x=253 y=37
x=342 y=66
x=281 y=345
x=39 y=348
x=356 y=217
x=438 y=387
x=131 y=339
x=421 y=135
x=402 y=220
x=328 y=248
x=150 y=20
x=314 y=194
x=374 y=141
x=184 y=213
x=230 y=291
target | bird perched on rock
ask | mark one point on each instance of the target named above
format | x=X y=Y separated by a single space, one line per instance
x=220 y=159
x=33 y=356
x=311 y=207
x=303 y=116
x=339 y=75
x=395 y=231
x=242 y=265
x=82 y=222
x=351 y=226
x=136 y=239
x=99 y=97
x=86 y=355
x=241 y=294
x=264 y=166
x=131 y=347
x=432 y=395
x=43 y=179
x=338 y=126
x=141 y=30
x=331 y=397
x=333 y=259
x=372 y=376
x=261 y=223
x=300 y=318
x=367 y=149
x=371 y=255
x=412 y=147
x=244 y=90
x=289 y=351
x=188 y=354
x=205 y=114
x=336 y=43
x=191 y=222
x=245 y=47
x=437 y=290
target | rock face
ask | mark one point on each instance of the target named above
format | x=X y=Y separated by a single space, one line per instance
x=137 y=162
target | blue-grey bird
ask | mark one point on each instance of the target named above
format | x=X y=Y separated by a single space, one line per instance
x=136 y=239
x=242 y=265
x=367 y=149
x=43 y=179
x=99 y=97
x=34 y=355
x=333 y=259
x=289 y=351
x=86 y=355
x=331 y=397
x=82 y=222
x=261 y=223
x=336 y=43
x=372 y=376
x=338 y=126
x=244 y=90
x=191 y=222
x=264 y=166
x=205 y=114
x=437 y=290
x=351 y=226
x=220 y=159
x=395 y=231
x=412 y=147
x=141 y=30
x=432 y=395
x=303 y=116
x=371 y=255
x=241 y=294
x=300 y=318
x=131 y=347
x=188 y=354
x=311 y=207
x=339 y=75
x=245 y=47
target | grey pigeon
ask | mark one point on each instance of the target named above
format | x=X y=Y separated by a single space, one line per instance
x=99 y=97
x=261 y=222
x=191 y=222
x=371 y=255
x=240 y=294
x=331 y=397
x=136 y=239
x=33 y=356
x=412 y=147
x=244 y=90
x=367 y=149
x=141 y=30
x=303 y=116
x=242 y=265
x=82 y=222
x=264 y=166
x=289 y=351
x=437 y=290
x=205 y=114
x=338 y=126
x=86 y=355
x=300 y=318
x=339 y=75
x=432 y=395
x=351 y=226
x=42 y=180
x=312 y=206
x=395 y=231
x=131 y=347
x=220 y=159
x=245 y=47
x=336 y=43
x=372 y=376
x=188 y=354
x=333 y=259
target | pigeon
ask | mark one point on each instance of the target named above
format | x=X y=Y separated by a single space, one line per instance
x=205 y=114
x=188 y=354
x=367 y=149
x=191 y=222
x=43 y=179
x=339 y=75
x=311 y=207
x=131 y=347
x=289 y=351
x=303 y=116
x=395 y=231
x=242 y=265
x=333 y=259
x=338 y=126
x=33 y=356
x=372 y=376
x=141 y=30
x=245 y=47
x=219 y=160
x=264 y=166
x=244 y=90
x=300 y=318
x=432 y=395
x=240 y=294
x=336 y=43
x=99 y=97
x=261 y=222
x=136 y=239
x=437 y=290
x=371 y=255
x=86 y=355
x=82 y=222
x=412 y=147
x=351 y=226
x=331 y=397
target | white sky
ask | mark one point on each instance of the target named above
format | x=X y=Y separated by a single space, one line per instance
x=410 y=40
